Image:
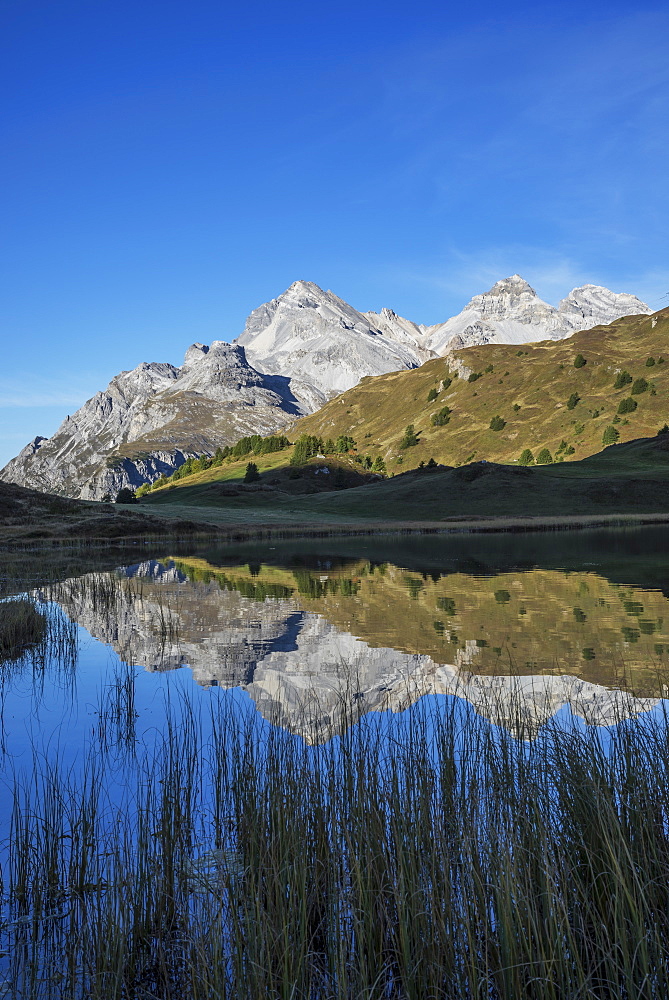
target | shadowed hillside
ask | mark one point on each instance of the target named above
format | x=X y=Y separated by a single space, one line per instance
x=28 y=515
x=630 y=478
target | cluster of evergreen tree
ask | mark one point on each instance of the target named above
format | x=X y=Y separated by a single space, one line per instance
x=410 y=438
x=309 y=445
x=371 y=464
x=253 y=445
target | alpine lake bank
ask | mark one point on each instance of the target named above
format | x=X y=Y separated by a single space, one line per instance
x=431 y=846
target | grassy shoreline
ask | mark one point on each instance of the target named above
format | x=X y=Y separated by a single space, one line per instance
x=22 y=542
x=625 y=484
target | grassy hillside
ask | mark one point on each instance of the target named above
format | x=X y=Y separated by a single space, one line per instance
x=28 y=516
x=529 y=387
x=626 y=478
x=277 y=476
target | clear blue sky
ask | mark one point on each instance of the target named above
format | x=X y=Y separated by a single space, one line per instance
x=168 y=166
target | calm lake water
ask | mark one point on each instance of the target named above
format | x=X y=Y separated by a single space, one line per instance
x=521 y=632
x=559 y=622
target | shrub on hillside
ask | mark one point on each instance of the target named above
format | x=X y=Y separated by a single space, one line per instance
x=474 y=376
x=622 y=379
x=573 y=400
x=627 y=405
x=441 y=418
x=638 y=386
x=252 y=475
x=650 y=362
x=379 y=465
x=432 y=395
x=526 y=457
x=344 y=444
x=497 y=423
x=544 y=457
x=579 y=361
x=410 y=438
x=610 y=435
x=446 y=383
x=516 y=407
x=126 y=495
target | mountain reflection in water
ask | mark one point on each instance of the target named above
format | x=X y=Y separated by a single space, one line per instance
x=320 y=641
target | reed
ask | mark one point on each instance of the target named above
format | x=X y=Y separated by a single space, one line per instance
x=425 y=855
x=22 y=627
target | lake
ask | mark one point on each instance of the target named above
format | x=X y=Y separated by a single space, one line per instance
x=280 y=769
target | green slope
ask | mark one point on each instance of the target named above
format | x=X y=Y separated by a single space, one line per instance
x=627 y=478
x=528 y=387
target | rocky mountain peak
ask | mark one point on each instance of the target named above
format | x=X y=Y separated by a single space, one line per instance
x=512 y=313
x=590 y=305
x=195 y=353
x=222 y=352
x=315 y=336
x=303 y=287
x=148 y=420
x=514 y=283
x=511 y=298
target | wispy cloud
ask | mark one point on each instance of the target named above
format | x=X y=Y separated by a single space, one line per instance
x=461 y=274
x=653 y=287
x=27 y=390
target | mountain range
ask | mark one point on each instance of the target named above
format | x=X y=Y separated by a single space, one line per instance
x=295 y=353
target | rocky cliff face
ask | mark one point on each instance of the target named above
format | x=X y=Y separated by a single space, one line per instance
x=149 y=420
x=302 y=672
x=296 y=352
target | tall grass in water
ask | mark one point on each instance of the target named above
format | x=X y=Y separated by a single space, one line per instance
x=33 y=634
x=415 y=857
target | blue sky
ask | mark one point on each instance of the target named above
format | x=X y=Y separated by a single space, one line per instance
x=168 y=166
